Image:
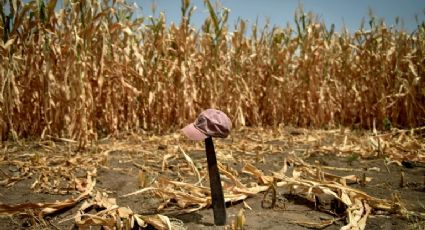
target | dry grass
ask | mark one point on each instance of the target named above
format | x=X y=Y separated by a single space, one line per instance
x=90 y=70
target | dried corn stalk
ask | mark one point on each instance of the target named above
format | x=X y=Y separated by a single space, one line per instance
x=90 y=69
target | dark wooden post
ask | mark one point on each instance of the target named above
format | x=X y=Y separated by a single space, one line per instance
x=217 y=197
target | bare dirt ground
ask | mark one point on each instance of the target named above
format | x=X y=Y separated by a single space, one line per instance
x=52 y=185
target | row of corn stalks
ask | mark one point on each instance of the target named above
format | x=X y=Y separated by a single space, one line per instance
x=92 y=69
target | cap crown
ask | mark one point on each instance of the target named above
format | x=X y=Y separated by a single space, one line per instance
x=214 y=123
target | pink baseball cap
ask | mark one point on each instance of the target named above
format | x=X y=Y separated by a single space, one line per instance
x=210 y=123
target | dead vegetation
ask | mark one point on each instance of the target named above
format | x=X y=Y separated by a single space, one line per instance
x=91 y=69
x=164 y=170
x=84 y=75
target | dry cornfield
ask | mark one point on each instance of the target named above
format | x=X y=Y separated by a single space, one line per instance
x=92 y=69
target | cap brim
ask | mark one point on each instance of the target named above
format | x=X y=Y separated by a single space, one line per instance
x=193 y=133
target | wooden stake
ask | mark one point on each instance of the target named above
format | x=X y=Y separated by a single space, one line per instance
x=217 y=197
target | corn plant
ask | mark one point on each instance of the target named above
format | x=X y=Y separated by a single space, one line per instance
x=92 y=69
